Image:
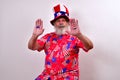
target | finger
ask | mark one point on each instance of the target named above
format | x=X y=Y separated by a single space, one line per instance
x=37 y=25
x=43 y=30
x=71 y=21
x=41 y=26
x=37 y=22
x=77 y=23
x=34 y=30
x=40 y=21
x=71 y=24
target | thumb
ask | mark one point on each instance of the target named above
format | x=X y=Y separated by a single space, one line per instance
x=68 y=32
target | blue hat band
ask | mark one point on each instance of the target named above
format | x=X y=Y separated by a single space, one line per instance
x=60 y=13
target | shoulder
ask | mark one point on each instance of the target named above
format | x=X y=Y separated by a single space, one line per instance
x=73 y=37
x=49 y=34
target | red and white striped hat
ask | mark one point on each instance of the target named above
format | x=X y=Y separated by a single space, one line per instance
x=60 y=11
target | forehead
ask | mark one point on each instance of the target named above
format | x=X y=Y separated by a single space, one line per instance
x=60 y=19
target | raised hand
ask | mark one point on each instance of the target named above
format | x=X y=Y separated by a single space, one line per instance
x=38 y=29
x=74 y=27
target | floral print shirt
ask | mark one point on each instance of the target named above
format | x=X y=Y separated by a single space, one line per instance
x=61 y=61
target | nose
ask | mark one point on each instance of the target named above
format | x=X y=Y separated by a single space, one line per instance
x=61 y=22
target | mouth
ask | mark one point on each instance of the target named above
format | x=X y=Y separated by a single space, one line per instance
x=61 y=26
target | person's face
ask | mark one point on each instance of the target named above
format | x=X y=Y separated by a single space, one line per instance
x=61 y=23
x=61 y=26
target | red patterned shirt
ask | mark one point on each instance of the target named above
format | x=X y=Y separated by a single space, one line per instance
x=61 y=62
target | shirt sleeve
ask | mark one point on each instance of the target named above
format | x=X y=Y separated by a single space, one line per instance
x=42 y=42
x=81 y=45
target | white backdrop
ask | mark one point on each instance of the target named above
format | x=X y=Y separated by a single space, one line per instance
x=98 y=19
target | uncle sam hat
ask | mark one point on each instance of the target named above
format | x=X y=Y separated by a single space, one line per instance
x=60 y=11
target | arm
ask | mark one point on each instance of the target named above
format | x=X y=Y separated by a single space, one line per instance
x=76 y=32
x=86 y=41
x=38 y=30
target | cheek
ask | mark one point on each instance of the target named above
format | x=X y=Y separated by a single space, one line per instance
x=56 y=24
x=66 y=24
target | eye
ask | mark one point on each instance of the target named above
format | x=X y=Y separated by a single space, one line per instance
x=58 y=20
x=63 y=20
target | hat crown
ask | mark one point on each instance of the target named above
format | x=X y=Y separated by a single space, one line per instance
x=60 y=10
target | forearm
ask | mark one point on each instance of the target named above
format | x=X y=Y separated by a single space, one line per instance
x=86 y=42
x=32 y=44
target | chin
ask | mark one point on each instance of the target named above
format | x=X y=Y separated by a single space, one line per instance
x=61 y=31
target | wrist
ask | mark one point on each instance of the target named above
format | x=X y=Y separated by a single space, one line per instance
x=79 y=35
x=34 y=36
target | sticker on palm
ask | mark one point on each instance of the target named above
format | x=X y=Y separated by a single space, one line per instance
x=39 y=23
x=38 y=30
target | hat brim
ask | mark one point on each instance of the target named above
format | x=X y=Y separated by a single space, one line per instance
x=62 y=16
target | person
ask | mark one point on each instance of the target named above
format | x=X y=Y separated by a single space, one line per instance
x=61 y=46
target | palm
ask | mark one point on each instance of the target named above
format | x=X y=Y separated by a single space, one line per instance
x=74 y=27
x=38 y=30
